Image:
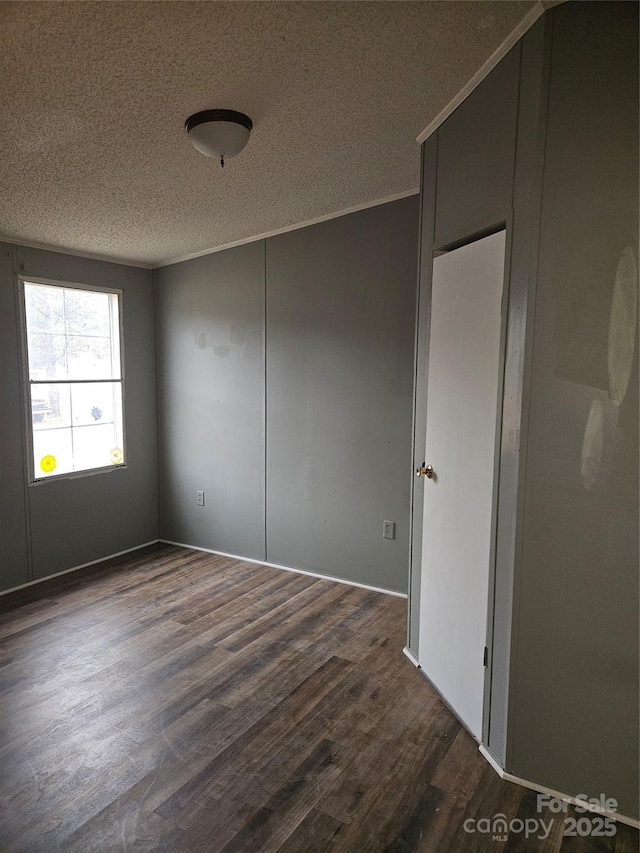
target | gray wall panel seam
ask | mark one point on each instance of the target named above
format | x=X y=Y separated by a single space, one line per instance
x=504 y=336
x=415 y=391
x=534 y=255
x=421 y=356
x=154 y=291
x=493 y=590
x=264 y=401
x=517 y=127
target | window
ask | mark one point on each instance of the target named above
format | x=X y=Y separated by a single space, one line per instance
x=74 y=372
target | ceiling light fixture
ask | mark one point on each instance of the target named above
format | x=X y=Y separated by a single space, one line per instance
x=219 y=133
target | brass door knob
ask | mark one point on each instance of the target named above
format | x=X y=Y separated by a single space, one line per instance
x=425 y=471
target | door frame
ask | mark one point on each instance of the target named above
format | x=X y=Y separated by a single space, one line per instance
x=428 y=251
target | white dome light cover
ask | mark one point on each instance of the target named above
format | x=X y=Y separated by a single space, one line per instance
x=219 y=133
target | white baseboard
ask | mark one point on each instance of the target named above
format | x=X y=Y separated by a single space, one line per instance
x=493 y=761
x=558 y=795
x=206 y=551
x=414 y=660
x=286 y=568
x=509 y=777
x=82 y=566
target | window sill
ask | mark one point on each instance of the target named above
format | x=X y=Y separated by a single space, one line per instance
x=76 y=475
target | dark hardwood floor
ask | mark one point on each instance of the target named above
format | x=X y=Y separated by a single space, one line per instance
x=185 y=702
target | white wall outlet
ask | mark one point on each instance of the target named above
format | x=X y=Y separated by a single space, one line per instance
x=388 y=530
x=200 y=498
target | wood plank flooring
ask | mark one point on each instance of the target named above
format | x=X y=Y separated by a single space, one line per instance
x=188 y=703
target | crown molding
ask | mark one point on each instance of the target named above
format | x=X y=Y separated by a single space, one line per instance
x=511 y=40
x=357 y=207
x=536 y=11
x=62 y=250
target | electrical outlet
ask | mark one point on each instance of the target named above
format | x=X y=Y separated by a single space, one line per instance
x=388 y=530
x=200 y=498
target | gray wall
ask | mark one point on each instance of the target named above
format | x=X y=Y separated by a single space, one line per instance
x=429 y=166
x=523 y=244
x=476 y=154
x=562 y=687
x=14 y=555
x=574 y=707
x=340 y=323
x=58 y=524
x=468 y=168
x=331 y=357
x=210 y=316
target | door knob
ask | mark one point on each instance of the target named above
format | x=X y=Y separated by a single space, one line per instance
x=425 y=471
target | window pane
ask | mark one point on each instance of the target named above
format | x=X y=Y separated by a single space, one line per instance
x=73 y=340
x=89 y=358
x=91 y=315
x=47 y=356
x=87 y=313
x=45 y=308
x=50 y=406
x=52 y=452
x=94 y=403
x=96 y=446
x=76 y=427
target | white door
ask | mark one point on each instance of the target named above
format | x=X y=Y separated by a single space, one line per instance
x=462 y=400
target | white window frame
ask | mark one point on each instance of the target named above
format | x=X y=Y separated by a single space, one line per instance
x=32 y=479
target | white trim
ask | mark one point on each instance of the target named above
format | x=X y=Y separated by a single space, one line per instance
x=285 y=229
x=28 y=383
x=59 y=250
x=82 y=566
x=551 y=792
x=525 y=24
x=493 y=761
x=514 y=36
x=286 y=568
x=414 y=660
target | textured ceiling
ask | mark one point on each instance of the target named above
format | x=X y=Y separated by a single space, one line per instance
x=93 y=98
